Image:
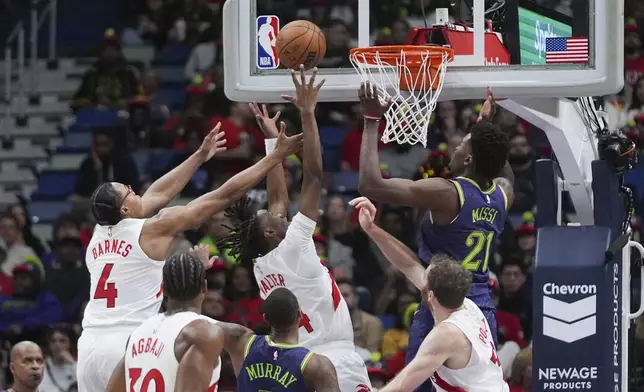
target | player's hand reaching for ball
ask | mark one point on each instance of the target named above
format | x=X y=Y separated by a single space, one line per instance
x=373 y=107
x=203 y=253
x=213 y=143
x=306 y=93
x=287 y=145
x=266 y=123
x=366 y=212
x=489 y=107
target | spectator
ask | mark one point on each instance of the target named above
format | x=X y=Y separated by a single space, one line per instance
x=636 y=107
x=213 y=304
x=337 y=49
x=26 y=364
x=30 y=308
x=14 y=244
x=378 y=375
x=395 y=339
x=521 y=379
x=6 y=280
x=242 y=137
x=150 y=82
x=155 y=23
x=521 y=160
x=60 y=362
x=526 y=236
x=509 y=331
x=68 y=277
x=23 y=217
x=367 y=329
x=104 y=163
x=335 y=236
x=402 y=160
x=110 y=82
x=216 y=275
x=203 y=56
x=192 y=137
x=350 y=153
x=192 y=117
x=216 y=102
x=195 y=17
x=243 y=298
x=515 y=298
x=216 y=229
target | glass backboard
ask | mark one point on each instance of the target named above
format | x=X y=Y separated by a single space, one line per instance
x=520 y=48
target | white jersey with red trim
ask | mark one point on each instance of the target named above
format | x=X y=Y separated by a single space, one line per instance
x=150 y=356
x=125 y=283
x=483 y=373
x=294 y=264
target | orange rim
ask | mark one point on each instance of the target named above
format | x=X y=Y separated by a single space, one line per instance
x=413 y=54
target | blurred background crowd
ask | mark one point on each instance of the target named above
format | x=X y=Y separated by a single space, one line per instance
x=144 y=103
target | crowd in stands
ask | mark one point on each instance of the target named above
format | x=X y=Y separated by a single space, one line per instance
x=44 y=286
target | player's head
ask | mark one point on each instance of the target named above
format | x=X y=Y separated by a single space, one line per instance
x=446 y=283
x=482 y=153
x=184 y=280
x=113 y=201
x=281 y=311
x=254 y=233
x=27 y=365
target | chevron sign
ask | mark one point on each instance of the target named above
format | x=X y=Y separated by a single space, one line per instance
x=569 y=322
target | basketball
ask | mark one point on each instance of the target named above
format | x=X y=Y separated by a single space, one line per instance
x=300 y=42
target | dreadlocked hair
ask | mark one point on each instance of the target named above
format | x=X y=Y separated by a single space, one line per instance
x=106 y=207
x=184 y=277
x=246 y=239
x=490 y=149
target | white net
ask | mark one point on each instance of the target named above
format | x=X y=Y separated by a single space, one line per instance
x=409 y=115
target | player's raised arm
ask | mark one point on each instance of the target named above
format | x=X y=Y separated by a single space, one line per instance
x=437 y=347
x=166 y=188
x=204 y=341
x=117 y=381
x=275 y=181
x=235 y=342
x=432 y=193
x=305 y=99
x=395 y=251
x=171 y=221
x=320 y=375
x=505 y=179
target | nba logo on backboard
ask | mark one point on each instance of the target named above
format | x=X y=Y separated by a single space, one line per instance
x=267 y=28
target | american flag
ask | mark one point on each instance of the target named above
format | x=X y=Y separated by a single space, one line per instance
x=566 y=50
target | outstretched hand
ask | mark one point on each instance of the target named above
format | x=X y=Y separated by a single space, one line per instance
x=306 y=93
x=267 y=124
x=366 y=213
x=203 y=253
x=372 y=106
x=287 y=145
x=489 y=107
x=213 y=143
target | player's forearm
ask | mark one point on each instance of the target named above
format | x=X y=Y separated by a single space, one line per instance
x=370 y=176
x=410 y=378
x=166 y=188
x=277 y=191
x=507 y=173
x=399 y=255
x=235 y=188
x=312 y=150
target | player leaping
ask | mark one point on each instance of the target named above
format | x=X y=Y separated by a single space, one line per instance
x=459 y=353
x=285 y=254
x=465 y=215
x=125 y=255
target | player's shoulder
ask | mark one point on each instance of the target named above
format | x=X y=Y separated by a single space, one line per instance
x=201 y=331
x=317 y=365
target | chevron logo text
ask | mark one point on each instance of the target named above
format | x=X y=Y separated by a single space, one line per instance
x=569 y=322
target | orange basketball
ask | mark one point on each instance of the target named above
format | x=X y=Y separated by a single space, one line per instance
x=300 y=42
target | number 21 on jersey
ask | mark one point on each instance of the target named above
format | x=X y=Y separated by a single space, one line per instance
x=477 y=242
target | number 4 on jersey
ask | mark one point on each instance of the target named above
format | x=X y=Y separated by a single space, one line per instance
x=106 y=290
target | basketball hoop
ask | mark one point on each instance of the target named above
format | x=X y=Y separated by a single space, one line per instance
x=415 y=76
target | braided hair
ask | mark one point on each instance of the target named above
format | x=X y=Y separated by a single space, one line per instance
x=490 y=149
x=246 y=239
x=106 y=205
x=184 y=277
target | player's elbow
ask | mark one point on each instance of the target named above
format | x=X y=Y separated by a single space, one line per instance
x=369 y=187
x=315 y=173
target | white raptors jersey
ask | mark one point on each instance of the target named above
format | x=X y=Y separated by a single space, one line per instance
x=126 y=284
x=483 y=373
x=294 y=264
x=150 y=357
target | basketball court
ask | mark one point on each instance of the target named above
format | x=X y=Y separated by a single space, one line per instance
x=532 y=57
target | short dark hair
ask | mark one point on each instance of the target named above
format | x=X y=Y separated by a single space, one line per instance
x=106 y=205
x=184 y=277
x=345 y=281
x=281 y=310
x=449 y=281
x=514 y=262
x=9 y=215
x=490 y=148
x=246 y=239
